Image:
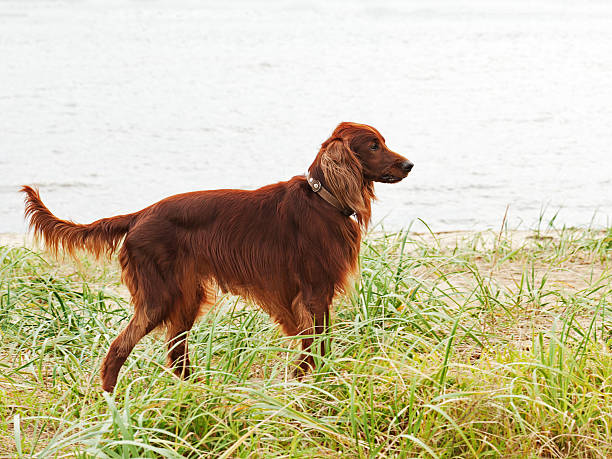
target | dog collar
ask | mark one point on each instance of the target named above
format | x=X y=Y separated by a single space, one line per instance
x=319 y=189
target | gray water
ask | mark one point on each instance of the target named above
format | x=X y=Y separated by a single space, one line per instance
x=110 y=106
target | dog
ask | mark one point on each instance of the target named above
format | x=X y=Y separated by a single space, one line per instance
x=290 y=247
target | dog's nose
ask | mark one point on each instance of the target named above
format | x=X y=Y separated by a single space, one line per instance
x=407 y=166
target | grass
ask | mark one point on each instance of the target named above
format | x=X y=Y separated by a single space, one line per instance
x=464 y=345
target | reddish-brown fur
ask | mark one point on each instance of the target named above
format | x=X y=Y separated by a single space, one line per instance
x=281 y=245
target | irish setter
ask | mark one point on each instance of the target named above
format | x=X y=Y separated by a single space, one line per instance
x=290 y=247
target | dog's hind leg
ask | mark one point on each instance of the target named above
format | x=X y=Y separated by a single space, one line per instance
x=122 y=346
x=176 y=337
x=179 y=322
x=150 y=299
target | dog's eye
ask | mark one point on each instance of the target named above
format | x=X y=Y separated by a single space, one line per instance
x=374 y=147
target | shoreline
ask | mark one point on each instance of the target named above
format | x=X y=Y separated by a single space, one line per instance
x=445 y=238
x=16 y=239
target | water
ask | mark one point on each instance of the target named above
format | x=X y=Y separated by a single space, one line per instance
x=110 y=106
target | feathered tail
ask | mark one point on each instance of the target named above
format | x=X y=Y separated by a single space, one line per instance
x=100 y=237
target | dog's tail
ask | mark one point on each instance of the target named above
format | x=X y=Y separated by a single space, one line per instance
x=100 y=237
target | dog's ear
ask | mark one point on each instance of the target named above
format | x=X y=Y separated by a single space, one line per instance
x=343 y=174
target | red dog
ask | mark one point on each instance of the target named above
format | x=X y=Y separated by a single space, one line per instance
x=290 y=246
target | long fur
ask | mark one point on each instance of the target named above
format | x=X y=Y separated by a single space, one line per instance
x=280 y=245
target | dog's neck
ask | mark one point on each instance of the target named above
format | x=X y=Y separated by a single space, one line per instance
x=362 y=213
x=318 y=188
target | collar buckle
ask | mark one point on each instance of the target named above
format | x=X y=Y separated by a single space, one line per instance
x=314 y=184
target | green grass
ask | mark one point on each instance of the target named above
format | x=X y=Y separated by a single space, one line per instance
x=462 y=345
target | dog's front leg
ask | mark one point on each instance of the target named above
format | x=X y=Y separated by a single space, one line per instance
x=312 y=318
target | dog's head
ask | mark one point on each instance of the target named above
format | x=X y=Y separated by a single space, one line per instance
x=377 y=162
x=351 y=159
